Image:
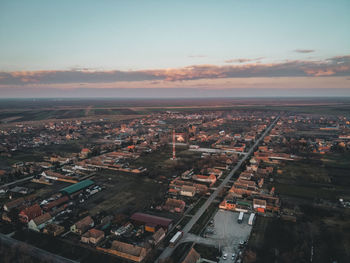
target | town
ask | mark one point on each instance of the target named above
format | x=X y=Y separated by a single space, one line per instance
x=203 y=185
x=174 y=131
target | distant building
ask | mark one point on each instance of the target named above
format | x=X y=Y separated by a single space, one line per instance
x=174 y=205
x=157 y=236
x=39 y=222
x=211 y=179
x=13 y=204
x=84 y=153
x=30 y=213
x=53 y=229
x=187 y=190
x=82 y=225
x=192 y=257
x=76 y=187
x=151 y=222
x=127 y=251
x=57 y=202
x=228 y=205
x=92 y=236
x=259 y=205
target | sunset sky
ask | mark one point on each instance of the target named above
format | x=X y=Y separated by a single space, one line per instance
x=174 y=48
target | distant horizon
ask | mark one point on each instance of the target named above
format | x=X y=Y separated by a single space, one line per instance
x=177 y=98
x=168 y=93
x=163 y=48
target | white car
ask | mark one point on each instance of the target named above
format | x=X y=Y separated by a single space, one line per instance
x=224 y=257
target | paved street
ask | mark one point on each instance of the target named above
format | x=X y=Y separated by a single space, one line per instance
x=168 y=251
x=17 y=181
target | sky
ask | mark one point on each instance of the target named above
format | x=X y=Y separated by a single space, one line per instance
x=174 y=48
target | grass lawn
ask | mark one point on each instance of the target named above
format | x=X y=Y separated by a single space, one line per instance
x=327 y=178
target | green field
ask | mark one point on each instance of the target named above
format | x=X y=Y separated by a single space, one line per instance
x=19 y=110
x=125 y=193
x=327 y=231
x=312 y=188
x=326 y=178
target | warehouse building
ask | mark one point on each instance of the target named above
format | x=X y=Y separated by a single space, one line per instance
x=76 y=187
x=151 y=222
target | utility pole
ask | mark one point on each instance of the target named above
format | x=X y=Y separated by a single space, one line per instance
x=174 y=150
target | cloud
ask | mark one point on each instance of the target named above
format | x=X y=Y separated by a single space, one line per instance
x=197 y=56
x=334 y=66
x=243 y=60
x=304 y=50
x=320 y=72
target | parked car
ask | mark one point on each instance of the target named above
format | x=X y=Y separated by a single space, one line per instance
x=233 y=256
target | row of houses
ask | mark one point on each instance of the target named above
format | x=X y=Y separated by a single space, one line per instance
x=156 y=225
x=247 y=192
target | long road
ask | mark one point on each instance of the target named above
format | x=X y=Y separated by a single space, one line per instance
x=17 y=181
x=168 y=251
x=20 y=251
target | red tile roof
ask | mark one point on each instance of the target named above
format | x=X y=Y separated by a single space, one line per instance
x=151 y=220
x=31 y=212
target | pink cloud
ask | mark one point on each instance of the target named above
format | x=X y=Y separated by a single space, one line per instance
x=335 y=66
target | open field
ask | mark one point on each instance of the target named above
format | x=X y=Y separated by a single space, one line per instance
x=158 y=163
x=327 y=178
x=327 y=231
x=24 y=110
x=70 y=250
x=312 y=187
x=124 y=193
x=37 y=154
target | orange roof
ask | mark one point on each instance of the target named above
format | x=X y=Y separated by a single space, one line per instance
x=95 y=233
x=42 y=219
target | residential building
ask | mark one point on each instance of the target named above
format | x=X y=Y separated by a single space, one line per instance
x=82 y=225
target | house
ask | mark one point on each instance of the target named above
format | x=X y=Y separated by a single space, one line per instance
x=84 y=153
x=30 y=213
x=242 y=183
x=39 y=222
x=13 y=204
x=259 y=205
x=174 y=205
x=192 y=257
x=92 y=236
x=157 y=236
x=214 y=171
x=126 y=251
x=56 y=203
x=228 y=204
x=211 y=179
x=53 y=229
x=187 y=190
x=82 y=225
x=201 y=188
